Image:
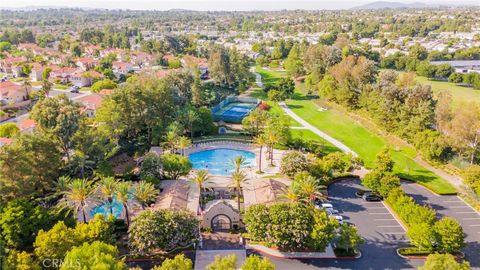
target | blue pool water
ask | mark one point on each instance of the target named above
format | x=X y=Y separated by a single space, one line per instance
x=219 y=161
x=104 y=209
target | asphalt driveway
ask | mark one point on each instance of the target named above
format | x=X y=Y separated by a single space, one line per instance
x=454 y=207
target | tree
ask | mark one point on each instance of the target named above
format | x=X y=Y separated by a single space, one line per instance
x=255 y=121
x=277 y=131
x=175 y=166
x=471 y=177
x=106 y=188
x=145 y=193
x=103 y=84
x=28 y=166
x=17 y=260
x=293 y=162
x=219 y=66
x=327 y=86
x=201 y=178
x=450 y=236
x=20 y=220
x=60 y=116
x=286 y=87
x=151 y=169
x=260 y=141
x=383 y=161
x=163 y=229
x=77 y=196
x=97 y=255
x=238 y=178
x=443 y=262
x=180 y=262
x=228 y=262
x=464 y=128
x=308 y=188
x=422 y=236
x=9 y=130
x=323 y=231
x=183 y=143
x=348 y=238
x=253 y=262
x=56 y=242
x=123 y=192
x=294 y=62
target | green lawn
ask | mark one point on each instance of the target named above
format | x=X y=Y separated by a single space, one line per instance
x=366 y=144
x=459 y=93
x=275 y=109
x=309 y=136
x=270 y=76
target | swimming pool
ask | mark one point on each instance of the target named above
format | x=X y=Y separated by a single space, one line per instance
x=104 y=209
x=219 y=161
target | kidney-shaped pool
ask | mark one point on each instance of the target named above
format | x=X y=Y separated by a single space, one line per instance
x=219 y=161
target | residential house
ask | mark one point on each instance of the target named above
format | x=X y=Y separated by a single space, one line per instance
x=90 y=104
x=84 y=79
x=11 y=93
x=5 y=141
x=121 y=68
x=63 y=75
x=8 y=63
x=86 y=63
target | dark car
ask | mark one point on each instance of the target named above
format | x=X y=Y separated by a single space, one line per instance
x=372 y=197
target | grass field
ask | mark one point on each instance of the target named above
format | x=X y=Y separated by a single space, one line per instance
x=270 y=76
x=459 y=93
x=309 y=136
x=364 y=142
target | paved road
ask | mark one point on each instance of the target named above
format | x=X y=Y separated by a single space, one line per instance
x=315 y=130
x=452 y=206
x=382 y=234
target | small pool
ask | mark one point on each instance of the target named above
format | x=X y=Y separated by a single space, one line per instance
x=219 y=161
x=104 y=209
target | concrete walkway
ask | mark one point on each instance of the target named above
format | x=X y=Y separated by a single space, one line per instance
x=315 y=130
x=453 y=179
x=205 y=257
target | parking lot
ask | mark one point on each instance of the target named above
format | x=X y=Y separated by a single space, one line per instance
x=452 y=206
x=382 y=234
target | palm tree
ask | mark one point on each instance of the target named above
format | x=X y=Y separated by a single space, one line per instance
x=238 y=178
x=260 y=140
x=123 y=190
x=171 y=140
x=145 y=193
x=291 y=194
x=201 y=178
x=77 y=195
x=183 y=143
x=238 y=162
x=309 y=189
x=106 y=187
x=192 y=116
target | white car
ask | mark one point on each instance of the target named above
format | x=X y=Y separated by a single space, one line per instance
x=331 y=211
x=327 y=205
x=338 y=218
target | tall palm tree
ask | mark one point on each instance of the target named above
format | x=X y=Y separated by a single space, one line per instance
x=191 y=116
x=260 y=140
x=291 y=194
x=183 y=143
x=106 y=188
x=123 y=191
x=77 y=195
x=201 y=178
x=238 y=162
x=238 y=178
x=145 y=193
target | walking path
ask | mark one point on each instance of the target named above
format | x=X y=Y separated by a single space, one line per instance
x=315 y=130
x=328 y=254
x=205 y=257
x=453 y=179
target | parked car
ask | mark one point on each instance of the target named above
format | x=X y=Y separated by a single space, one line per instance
x=372 y=197
x=338 y=218
x=75 y=89
x=331 y=211
x=326 y=205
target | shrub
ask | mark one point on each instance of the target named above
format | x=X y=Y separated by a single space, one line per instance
x=254 y=262
x=223 y=263
x=164 y=230
x=103 y=84
x=422 y=236
x=97 y=255
x=443 y=261
x=151 y=167
x=8 y=130
x=180 y=262
x=450 y=236
x=264 y=106
x=471 y=177
x=175 y=166
x=293 y=162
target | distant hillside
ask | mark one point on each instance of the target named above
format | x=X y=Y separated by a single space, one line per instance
x=390 y=5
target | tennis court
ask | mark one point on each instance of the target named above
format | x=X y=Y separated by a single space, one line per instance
x=234 y=111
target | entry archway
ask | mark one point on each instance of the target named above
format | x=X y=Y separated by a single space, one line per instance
x=221 y=223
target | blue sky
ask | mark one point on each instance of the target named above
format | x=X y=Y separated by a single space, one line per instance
x=211 y=4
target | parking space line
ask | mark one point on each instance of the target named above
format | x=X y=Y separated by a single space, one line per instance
x=465 y=212
x=379 y=213
x=394 y=232
x=388 y=226
x=376 y=207
x=384 y=219
x=460 y=198
x=474 y=225
x=475 y=218
x=459 y=206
